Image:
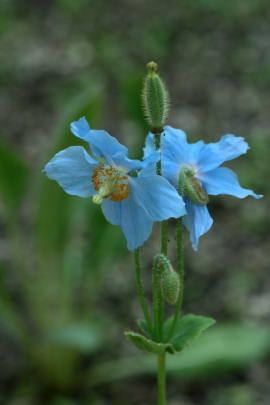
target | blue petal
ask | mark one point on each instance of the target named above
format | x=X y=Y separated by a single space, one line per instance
x=157 y=197
x=148 y=171
x=197 y=221
x=121 y=162
x=111 y=211
x=174 y=145
x=73 y=171
x=136 y=224
x=100 y=141
x=223 y=181
x=149 y=145
x=80 y=128
x=151 y=158
x=214 y=154
x=171 y=170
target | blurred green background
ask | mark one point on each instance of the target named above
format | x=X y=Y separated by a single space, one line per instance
x=67 y=285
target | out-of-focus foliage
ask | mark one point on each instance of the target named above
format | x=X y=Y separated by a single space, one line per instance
x=67 y=288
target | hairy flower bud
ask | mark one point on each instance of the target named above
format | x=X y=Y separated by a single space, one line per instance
x=170 y=286
x=155 y=99
x=191 y=186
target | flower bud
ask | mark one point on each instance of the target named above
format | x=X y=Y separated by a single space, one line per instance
x=170 y=287
x=194 y=191
x=155 y=99
x=191 y=186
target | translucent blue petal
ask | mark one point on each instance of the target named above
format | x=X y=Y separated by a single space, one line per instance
x=157 y=197
x=111 y=211
x=170 y=171
x=80 y=128
x=148 y=171
x=121 y=162
x=223 y=181
x=197 y=221
x=214 y=154
x=72 y=171
x=174 y=146
x=149 y=145
x=151 y=158
x=100 y=141
x=135 y=223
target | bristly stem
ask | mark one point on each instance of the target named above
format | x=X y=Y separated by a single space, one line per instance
x=180 y=268
x=164 y=236
x=156 y=294
x=161 y=379
x=137 y=262
x=180 y=261
x=158 y=297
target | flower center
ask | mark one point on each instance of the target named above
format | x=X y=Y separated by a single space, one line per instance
x=191 y=187
x=109 y=182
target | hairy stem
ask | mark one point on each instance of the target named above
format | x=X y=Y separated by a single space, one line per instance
x=137 y=262
x=161 y=379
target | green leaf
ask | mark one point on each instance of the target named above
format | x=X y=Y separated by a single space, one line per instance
x=147 y=345
x=223 y=348
x=144 y=328
x=78 y=336
x=187 y=328
x=13 y=176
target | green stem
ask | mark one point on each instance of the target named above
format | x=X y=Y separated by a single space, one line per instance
x=161 y=263
x=180 y=261
x=161 y=379
x=164 y=238
x=156 y=288
x=180 y=268
x=164 y=243
x=137 y=262
x=160 y=299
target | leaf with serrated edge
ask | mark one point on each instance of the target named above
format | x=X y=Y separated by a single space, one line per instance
x=147 y=345
x=189 y=328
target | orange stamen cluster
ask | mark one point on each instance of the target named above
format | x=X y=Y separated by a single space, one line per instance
x=106 y=177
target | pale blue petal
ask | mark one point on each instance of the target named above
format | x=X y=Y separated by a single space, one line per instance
x=231 y=146
x=214 y=154
x=80 y=128
x=151 y=158
x=121 y=162
x=100 y=141
x=148 y=171
x=72 y=171
x=223 y=181
x=149 y=145
x=174 y=146
x=171 y=170
x=197 y=221
x=157 y=197
x=135 y=223
x=103 y=144
x=111 y=211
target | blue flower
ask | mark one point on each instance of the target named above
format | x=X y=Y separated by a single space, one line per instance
x=198 y=164
x=134 y=203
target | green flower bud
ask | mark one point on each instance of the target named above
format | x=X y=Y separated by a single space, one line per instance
x=192 y=187
x=170 y=286
x=155 y=98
